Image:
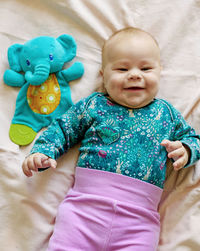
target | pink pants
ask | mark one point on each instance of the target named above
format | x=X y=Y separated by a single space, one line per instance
x=107 y=211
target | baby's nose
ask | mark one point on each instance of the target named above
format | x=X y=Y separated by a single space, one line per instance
x=134 y=75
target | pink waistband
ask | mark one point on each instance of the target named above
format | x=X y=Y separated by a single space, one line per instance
x=117 y=187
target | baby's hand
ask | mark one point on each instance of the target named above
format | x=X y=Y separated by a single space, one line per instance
x=178 y=152
x=35 y=161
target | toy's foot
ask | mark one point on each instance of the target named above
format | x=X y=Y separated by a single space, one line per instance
x=21 y=134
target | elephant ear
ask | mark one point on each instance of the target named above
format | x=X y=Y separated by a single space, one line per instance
x=69 y=44
x=13 y=57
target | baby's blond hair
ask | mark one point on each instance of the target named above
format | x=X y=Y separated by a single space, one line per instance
x=122 y=33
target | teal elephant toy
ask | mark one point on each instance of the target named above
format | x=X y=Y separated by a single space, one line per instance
x=37 y=67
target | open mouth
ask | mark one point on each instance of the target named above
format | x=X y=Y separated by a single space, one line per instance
x=134 y=88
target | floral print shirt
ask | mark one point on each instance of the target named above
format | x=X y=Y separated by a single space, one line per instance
x=118 y=139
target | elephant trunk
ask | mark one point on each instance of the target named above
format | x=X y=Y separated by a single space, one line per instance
x=39 y=76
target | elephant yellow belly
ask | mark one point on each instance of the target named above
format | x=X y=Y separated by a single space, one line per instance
x=44 y=98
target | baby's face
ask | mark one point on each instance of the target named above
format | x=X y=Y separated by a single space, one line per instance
x=131 y=73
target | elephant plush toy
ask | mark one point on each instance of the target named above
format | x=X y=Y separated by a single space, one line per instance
x=37 y=67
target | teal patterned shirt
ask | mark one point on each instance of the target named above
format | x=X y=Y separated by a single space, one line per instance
x=118 y=139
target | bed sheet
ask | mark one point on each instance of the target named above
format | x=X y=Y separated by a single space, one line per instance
x=28 y=205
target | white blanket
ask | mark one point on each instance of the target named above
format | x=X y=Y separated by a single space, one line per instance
x=28 y=205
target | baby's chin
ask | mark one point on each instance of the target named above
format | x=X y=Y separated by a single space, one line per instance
x=135 y=105
x=131 y=104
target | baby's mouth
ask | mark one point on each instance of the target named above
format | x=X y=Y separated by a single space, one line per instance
x=134 y=88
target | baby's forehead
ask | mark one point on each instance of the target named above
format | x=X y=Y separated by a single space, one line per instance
x=130 y=42
x=132 y=45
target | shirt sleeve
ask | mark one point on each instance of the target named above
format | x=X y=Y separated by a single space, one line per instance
x=64 y=132
x=187 y=135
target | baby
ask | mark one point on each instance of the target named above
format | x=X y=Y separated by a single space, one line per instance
x=126 y=136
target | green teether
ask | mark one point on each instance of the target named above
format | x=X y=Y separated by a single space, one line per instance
x=21 y=134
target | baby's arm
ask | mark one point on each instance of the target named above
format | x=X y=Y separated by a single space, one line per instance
x=35 y=161
x=179 y=152
x=63 y=133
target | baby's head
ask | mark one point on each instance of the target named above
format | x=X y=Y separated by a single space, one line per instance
x=131 y=67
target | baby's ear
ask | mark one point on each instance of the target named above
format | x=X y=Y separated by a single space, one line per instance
x=99 y=82
x=101 y=72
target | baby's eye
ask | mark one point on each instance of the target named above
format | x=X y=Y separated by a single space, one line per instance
x=122 y=69
x=146 y=68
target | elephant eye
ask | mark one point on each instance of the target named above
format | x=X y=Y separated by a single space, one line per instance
x=28 y=62
x=51 y=57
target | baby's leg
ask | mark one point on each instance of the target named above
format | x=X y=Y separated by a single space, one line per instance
x=134 y=228
x=83 y=223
